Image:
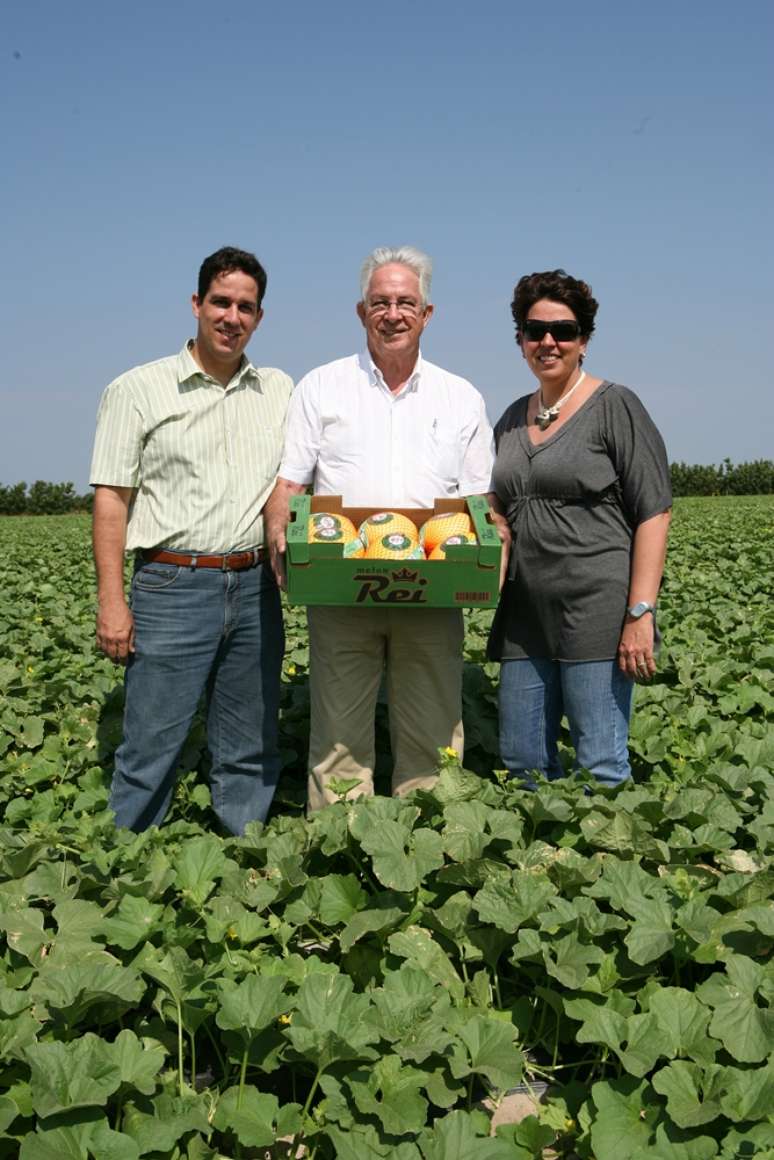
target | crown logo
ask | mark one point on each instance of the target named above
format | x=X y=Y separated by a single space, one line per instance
x=407 y=575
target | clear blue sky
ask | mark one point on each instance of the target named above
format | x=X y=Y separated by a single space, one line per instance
x=629 y=143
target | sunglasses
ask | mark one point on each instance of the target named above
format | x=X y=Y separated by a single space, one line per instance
x=565 y=330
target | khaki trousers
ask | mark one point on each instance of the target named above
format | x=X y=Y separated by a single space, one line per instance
x=348 y=651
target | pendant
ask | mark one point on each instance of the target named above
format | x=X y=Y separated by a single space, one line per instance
x=546 y=417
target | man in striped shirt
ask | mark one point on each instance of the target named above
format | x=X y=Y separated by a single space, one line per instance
x=186 y=454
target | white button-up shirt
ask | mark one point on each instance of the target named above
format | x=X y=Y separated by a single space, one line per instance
x=349 y=435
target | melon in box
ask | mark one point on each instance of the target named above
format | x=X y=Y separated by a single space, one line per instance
x=321 y=572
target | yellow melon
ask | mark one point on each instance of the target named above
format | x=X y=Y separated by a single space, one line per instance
x=394 y=546
x=439 y=552
x=330 y=528
x=435 y=530
x=381 y=524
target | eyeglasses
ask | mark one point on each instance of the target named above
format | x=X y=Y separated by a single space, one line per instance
x=406 y=306
x=564 y=330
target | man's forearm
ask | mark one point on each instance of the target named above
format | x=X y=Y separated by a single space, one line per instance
x=111 y=510
x=115 y=626
x=276 y=512
x=276 y=517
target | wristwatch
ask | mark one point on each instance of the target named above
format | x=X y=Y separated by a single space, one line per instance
x=640 y=608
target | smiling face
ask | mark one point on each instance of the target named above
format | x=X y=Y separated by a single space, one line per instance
x=553 y=363
x=228 y=316
x=393 y=315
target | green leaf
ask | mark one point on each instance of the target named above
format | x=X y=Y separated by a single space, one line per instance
x=646 y=1043
x=251 y=1005
x=134 y=921
x=572 y=959
x=666 y=1148
x=105 y=1144
x=390 y=1091
x=625 y=883
x=603 y=1021
x=464 y=833
x=329 y=1022
x=685 y=1021
x=693 y=1093
x=201 y=861
x=342 y=896
x=172 y=1118
x=624 y=1118
x=83 y=1073
x=407 y=994
x=362 y=1143
x=417 y=946
x=509 y=901
x=174 y=971
x=17 y=1032
x=24 y=931
x=401 y=857
x=748 y=1094
x=78 y=921
x=58 y=1143
x=30 y=733
x=463 y=1136
x=254 y=1118
x=745 y=1029
x=139 y=1060
x=492 y=1052
x=74 y=990
x=369 y=922
x=651 y=934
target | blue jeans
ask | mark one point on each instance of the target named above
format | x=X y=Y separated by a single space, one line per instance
x=596 y=698
x=201 y=631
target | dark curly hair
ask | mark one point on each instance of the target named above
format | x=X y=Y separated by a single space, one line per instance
x=558 y=286
x=225 y=261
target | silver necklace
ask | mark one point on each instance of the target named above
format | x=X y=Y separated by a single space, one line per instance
x=546 y=415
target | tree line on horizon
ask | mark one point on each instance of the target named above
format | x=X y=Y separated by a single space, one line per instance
x=753 y=478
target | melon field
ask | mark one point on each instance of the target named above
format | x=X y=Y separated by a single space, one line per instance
x=372 y=982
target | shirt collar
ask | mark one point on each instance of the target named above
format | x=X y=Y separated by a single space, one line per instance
x=376 y=378
x=188 y=367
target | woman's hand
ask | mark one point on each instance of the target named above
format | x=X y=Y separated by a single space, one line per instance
x=635 y=648
x=497 y=517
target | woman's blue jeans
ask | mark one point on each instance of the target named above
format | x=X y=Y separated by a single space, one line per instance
x=201 y=632
x=596 y=698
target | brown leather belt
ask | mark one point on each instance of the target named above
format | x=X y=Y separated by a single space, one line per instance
x=234 y=562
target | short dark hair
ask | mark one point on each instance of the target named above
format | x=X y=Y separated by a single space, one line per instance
x=558 y=286
x=225 y=261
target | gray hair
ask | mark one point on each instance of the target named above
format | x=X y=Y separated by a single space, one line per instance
x=420 y=263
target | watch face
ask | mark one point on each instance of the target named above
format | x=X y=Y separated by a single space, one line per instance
x=638 y=610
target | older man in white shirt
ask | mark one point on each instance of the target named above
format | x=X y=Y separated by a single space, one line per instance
x=383 y=428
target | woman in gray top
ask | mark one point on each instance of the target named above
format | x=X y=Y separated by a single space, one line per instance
x=582 y=479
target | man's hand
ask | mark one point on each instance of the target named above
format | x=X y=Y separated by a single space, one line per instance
x=276 y=517
x=115 y=630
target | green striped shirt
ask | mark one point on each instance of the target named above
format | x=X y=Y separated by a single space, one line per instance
x=203 y=458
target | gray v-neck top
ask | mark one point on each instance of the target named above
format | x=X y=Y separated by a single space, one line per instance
x=573 y=503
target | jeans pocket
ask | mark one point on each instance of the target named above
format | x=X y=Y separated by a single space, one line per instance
x=155 y=576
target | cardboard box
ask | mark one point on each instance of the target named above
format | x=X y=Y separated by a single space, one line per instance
x=319 y=573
